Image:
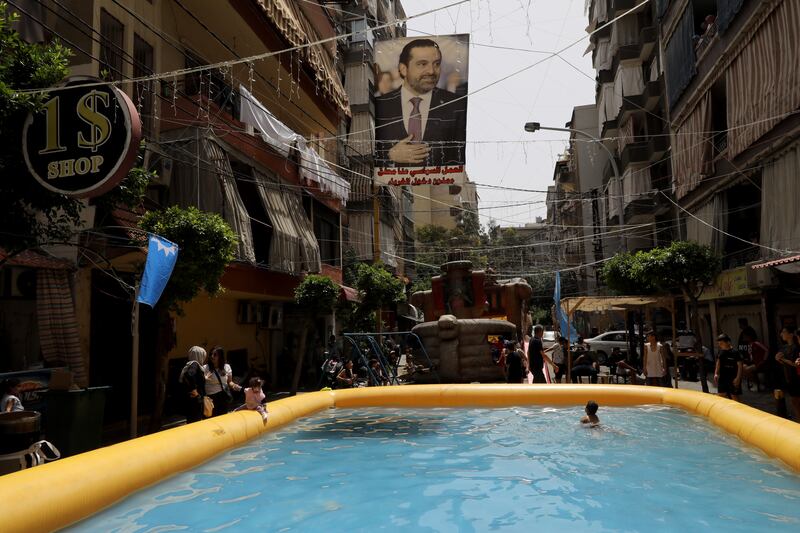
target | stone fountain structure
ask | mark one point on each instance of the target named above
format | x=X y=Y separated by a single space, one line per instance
x=463 y=308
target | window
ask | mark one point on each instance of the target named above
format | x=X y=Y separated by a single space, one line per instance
x=719 y=117
x=143 y=96
x=112 y=42
x=742 y=218
x=259 y=220
x=326 y=229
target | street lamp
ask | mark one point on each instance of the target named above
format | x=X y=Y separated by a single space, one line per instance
x=535 y=126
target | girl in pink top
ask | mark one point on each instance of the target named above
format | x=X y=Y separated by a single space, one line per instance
x=254 y=398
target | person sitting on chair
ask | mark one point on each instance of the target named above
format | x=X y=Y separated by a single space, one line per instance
x=584 y=366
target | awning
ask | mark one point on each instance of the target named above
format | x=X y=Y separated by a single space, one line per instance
x=294 y=27
x=608 y=303
x=34 y=259
x=349 y=294
x=293 y=247
x=789 y=264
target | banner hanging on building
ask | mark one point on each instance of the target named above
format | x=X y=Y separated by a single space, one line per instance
x=421 y=110
x=161 y=258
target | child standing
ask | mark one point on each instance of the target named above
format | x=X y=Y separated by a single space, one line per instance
x=254 y=398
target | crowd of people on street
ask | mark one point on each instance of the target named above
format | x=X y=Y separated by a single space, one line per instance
x=731 y=366
x=209 y=387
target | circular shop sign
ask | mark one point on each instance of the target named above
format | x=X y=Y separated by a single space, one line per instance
x=84 y=140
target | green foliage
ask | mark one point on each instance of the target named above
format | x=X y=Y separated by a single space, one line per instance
x=685 y=266
x=131 y=189
x=207 y=244
x=318 y=294
x=378 y=287
x=27 y=66
x=541 y=315
x=624 y=273
x=350 y=264
x=437 y=245
x=354 y=318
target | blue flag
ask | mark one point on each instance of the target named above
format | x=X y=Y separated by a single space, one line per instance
x=161 y=257
x=561 y=317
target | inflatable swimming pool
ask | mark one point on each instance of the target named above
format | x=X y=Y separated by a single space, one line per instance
x=56 y=495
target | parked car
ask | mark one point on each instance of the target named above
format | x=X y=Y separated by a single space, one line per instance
x=549 y=339
x=605 y=343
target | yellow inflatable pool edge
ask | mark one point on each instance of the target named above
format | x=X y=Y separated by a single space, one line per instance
x=58 y=494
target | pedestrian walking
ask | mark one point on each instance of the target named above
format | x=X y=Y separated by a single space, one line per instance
x=537 y=357
x=729 y=369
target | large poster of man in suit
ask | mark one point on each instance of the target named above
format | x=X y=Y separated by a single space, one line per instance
x=421 y=109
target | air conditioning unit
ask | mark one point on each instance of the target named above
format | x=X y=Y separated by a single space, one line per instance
x=23 y=283
x=761 y=278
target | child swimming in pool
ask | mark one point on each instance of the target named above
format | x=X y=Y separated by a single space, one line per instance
x=254 y=398
x=591 y=414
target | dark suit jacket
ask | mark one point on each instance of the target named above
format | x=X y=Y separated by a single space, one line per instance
x=445 y=130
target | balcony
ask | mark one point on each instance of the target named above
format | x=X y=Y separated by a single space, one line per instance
x=641 y=210
x=649 y=38
x=652 y=93
x=636 y=152
x=618 y=7
x=630 y=105
x=610 y=128
x=606 y=76
x=657 y=146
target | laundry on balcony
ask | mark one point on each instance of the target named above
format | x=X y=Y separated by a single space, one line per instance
x=272 y=131
x=313 y=167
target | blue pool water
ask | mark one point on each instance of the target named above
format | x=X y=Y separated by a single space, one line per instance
x=517 y=469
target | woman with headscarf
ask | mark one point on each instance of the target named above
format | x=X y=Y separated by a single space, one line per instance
x=193 y=382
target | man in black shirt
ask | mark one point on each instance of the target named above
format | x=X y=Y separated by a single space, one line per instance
x=537 y=357
x=729 y=369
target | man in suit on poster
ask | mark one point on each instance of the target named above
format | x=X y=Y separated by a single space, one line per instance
x=419 y=124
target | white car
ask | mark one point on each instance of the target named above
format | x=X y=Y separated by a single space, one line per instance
x=605 y=343
x=549 y=339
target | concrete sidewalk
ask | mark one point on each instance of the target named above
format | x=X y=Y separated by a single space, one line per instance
x=765 y=401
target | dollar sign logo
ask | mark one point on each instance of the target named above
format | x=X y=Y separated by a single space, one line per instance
x=100 y=126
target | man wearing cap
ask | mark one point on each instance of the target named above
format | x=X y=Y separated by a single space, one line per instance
x=728 y=370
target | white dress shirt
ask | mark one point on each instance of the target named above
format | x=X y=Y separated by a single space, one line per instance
x=424 y=107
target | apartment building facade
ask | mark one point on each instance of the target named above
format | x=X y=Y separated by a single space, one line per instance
x=260 y=142
x=732 y=85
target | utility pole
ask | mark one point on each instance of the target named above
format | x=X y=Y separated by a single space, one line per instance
x=535 y=126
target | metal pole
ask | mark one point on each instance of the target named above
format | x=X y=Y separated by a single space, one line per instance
x=376 y=224
x=134 y=420
x=534 y=126
x=674 y=343
x=569 y=345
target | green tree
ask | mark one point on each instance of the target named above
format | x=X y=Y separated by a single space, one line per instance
x=684 y=266
x=316 y=295
x=207 y=245
x=437 y=245
x=378 y=289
